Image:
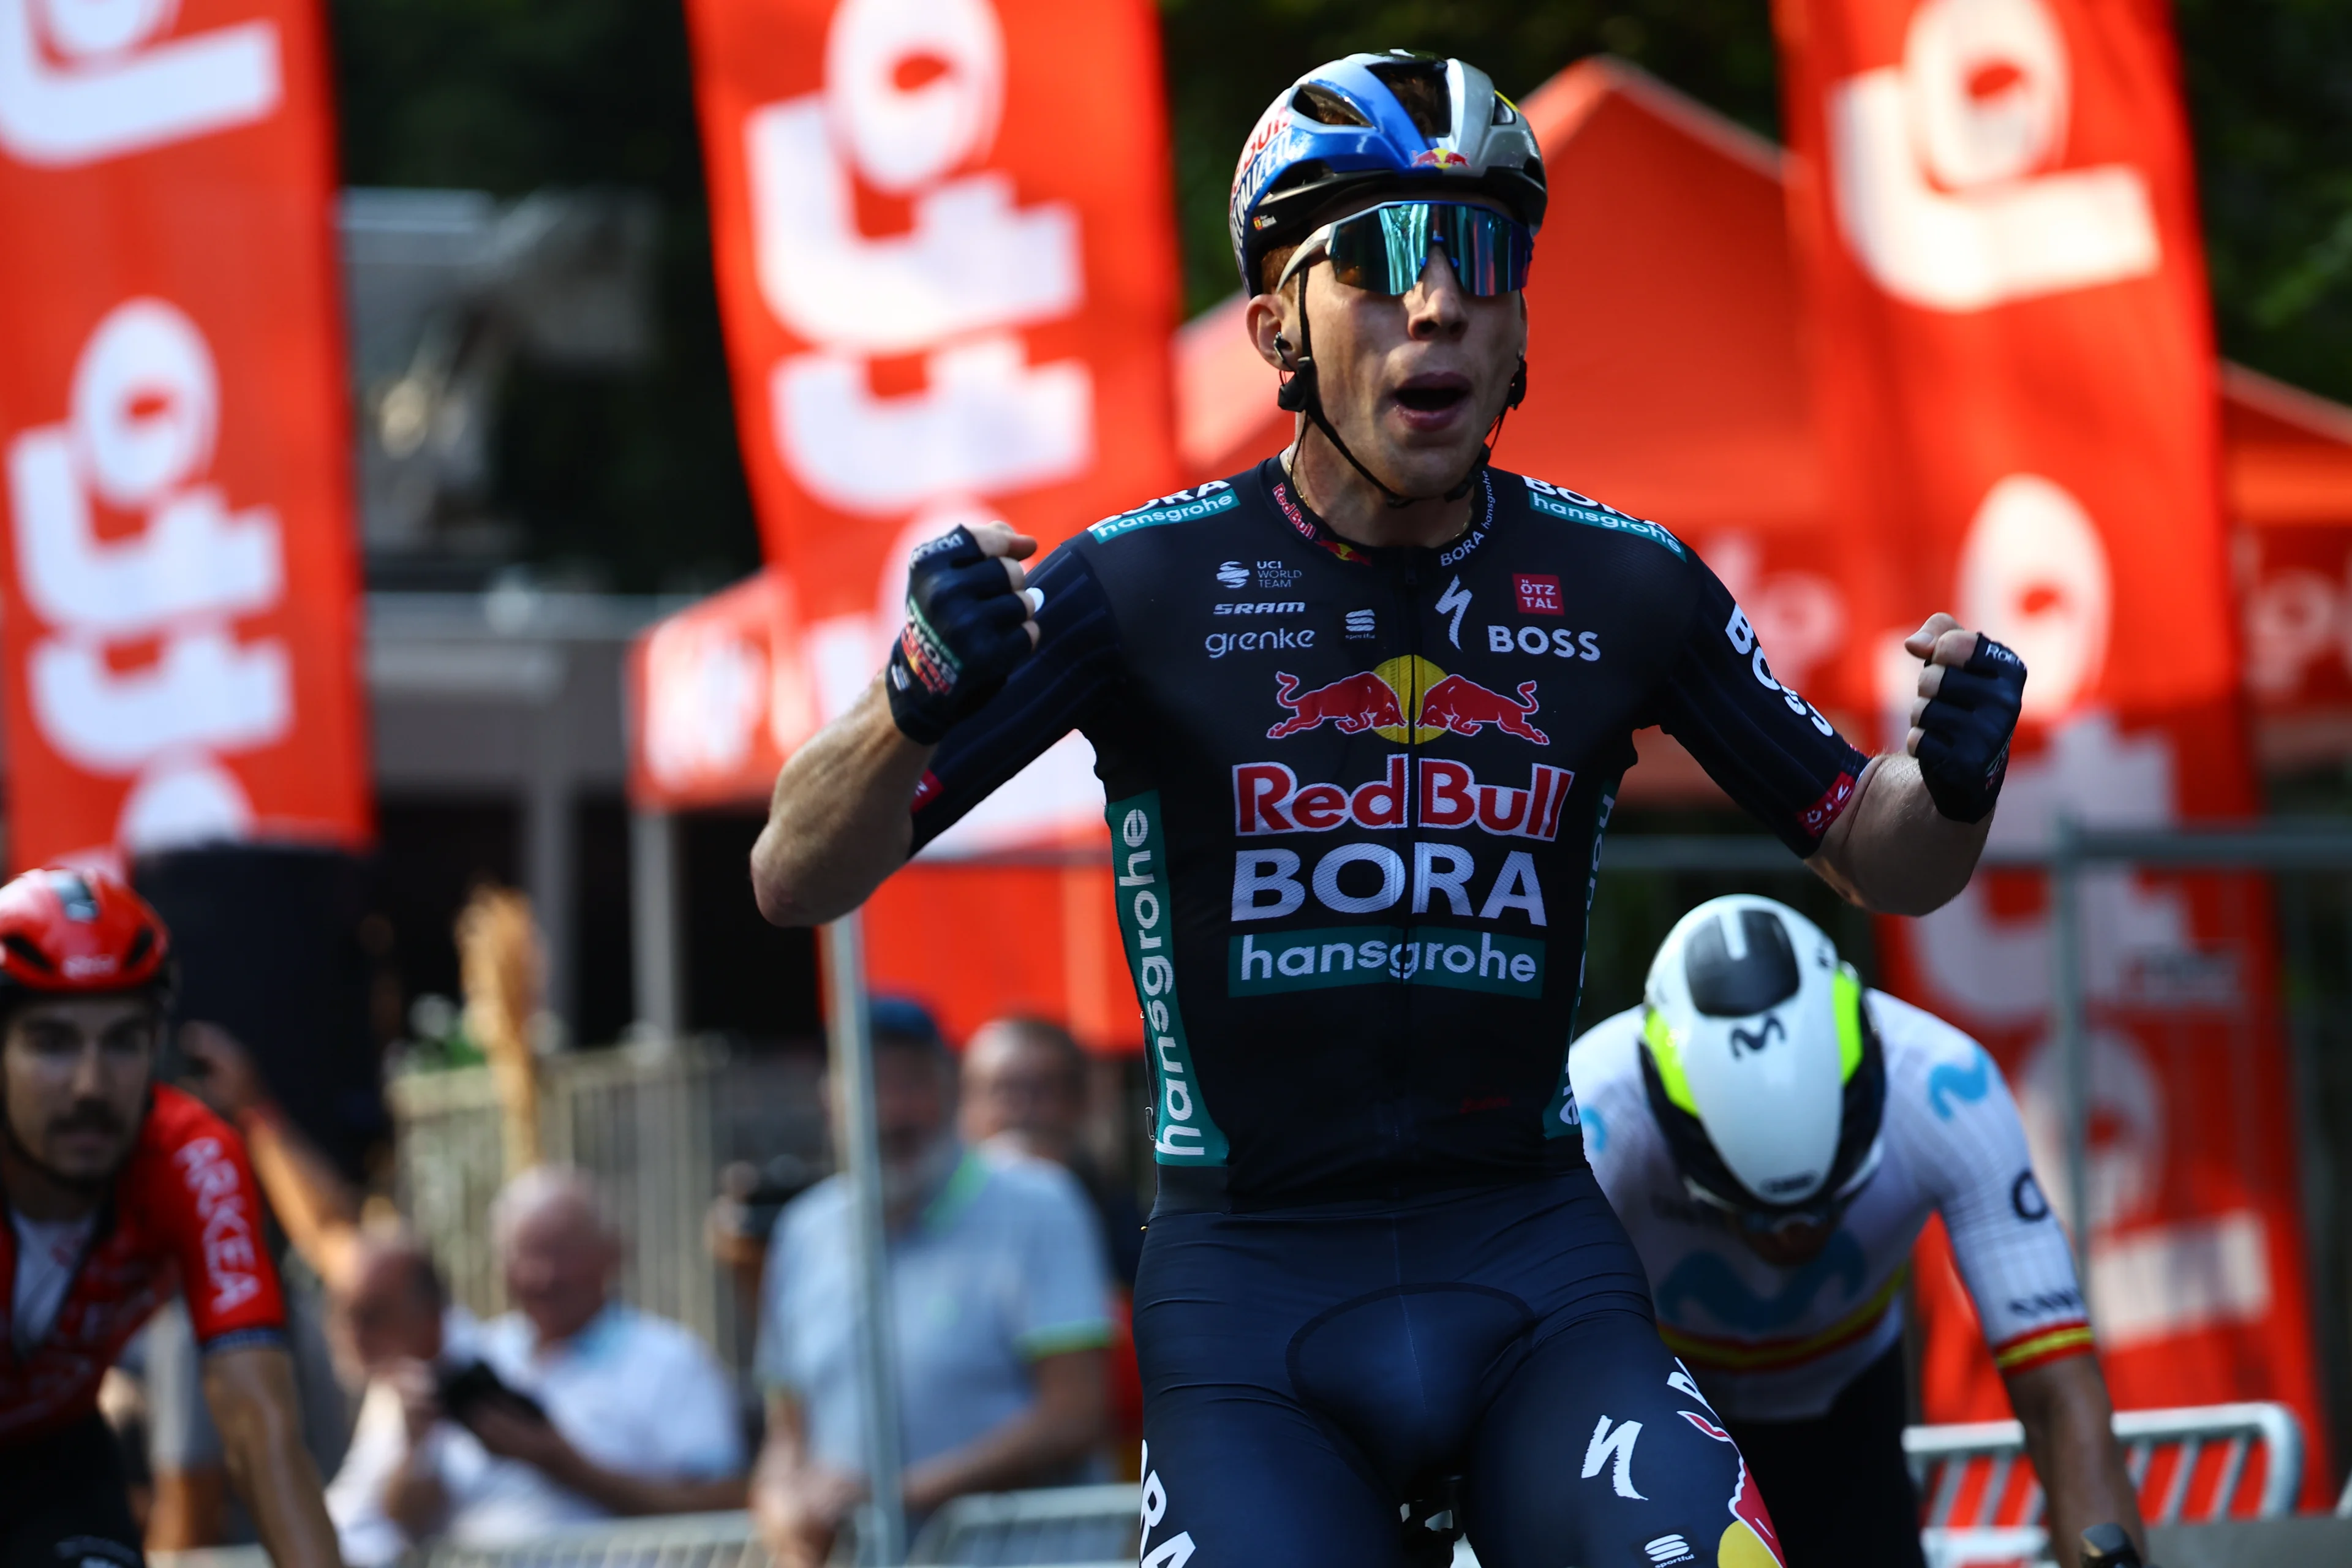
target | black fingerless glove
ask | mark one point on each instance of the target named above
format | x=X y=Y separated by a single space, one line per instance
x=1964 y=732
x=962 y=638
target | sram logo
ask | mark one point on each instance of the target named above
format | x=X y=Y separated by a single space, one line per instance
x=1268 y=799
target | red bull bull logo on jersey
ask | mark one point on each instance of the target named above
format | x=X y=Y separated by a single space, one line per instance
x=1407 y=700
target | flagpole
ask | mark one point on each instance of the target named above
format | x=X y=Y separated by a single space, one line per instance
x=882 y=1524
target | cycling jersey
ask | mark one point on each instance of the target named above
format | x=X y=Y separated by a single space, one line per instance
x=183 y=1216
x=1779 y=1344
x=1356 y=797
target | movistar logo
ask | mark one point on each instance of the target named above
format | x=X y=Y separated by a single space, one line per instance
x=1746 y=1040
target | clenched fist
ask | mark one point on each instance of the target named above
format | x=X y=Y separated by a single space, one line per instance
x=1969 y=695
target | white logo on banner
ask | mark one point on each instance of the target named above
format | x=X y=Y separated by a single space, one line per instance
x=142 y=424
x=82 y=80
x=708 y=689
x=1940 y=167
x=973 y=267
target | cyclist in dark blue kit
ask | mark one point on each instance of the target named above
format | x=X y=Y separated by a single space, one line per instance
x=1359 y=714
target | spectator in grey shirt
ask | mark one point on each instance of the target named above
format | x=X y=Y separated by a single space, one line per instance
x=998 y=1308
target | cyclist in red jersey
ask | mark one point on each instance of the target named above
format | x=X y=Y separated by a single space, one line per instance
x=120 y=1191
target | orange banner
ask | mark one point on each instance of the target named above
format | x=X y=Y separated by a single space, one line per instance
x=180 y=582
x=1992 y=207
x=947 y=269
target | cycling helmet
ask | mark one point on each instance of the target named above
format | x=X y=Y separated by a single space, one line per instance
x=1414 y=125
x=67 y=932
x=1762 y=1066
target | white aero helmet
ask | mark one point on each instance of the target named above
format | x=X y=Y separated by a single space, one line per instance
x=1763 y=1070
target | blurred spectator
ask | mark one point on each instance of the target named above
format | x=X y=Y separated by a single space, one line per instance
x=997 y=1307
x=572 y=1407
x=1024 y=1088
x=396 y=1327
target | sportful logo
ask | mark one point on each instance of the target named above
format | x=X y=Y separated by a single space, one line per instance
x=1183 y=506
x=1381 y=698
x=1268 y=799
x=1361 y=624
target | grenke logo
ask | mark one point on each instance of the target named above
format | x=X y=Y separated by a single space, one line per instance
x=1268 y=799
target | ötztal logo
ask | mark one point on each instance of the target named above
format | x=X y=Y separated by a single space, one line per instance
x=1407 y=700
x=1539 y=593
x=1268 y=799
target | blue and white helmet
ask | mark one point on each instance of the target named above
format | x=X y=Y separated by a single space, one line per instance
x=1412 y=124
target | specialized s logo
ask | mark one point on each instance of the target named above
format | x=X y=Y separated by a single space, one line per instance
x=1379 y=700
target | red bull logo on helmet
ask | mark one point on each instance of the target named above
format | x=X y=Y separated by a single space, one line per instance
x=1440 y=158
x=1407 y=700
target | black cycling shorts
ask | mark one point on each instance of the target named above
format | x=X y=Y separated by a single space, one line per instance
x=1840 y=1482
x=1310 y=1372
x=63 y=1502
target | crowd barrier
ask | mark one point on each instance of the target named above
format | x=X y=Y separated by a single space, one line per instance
x=1984 y=1506
x=2195 y=1468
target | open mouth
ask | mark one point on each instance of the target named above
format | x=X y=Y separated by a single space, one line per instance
x=1434 y=394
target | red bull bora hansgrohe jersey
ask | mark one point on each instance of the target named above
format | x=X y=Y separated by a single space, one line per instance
x=1356 y=800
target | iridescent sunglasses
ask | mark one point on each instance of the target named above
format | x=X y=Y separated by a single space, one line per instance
x=1382 y=249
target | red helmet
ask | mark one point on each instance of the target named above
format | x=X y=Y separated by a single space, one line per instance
x=65 y=931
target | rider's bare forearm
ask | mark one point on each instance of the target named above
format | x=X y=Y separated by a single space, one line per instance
x=838 y=821
x=2069 y=1436
x=251 y=1394
x=1892 y=851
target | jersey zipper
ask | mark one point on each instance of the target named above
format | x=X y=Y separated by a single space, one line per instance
x=1396 y=1049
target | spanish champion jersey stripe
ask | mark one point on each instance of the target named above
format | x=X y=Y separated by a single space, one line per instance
x=1770 y=1355
x=2054 y=1344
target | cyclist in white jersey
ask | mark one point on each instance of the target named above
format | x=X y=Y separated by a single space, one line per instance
x=1774 y=1138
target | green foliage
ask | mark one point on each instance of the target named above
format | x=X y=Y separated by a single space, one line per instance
x=635 y=478
x=2269 y=105
x=1227 y=58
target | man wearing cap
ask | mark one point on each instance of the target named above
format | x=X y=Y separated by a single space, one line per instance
x=999 y=1311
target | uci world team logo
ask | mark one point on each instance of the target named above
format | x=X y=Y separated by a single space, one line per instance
x=1407 y=700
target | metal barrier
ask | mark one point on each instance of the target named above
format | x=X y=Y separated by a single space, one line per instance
x=1093 y=1526
x=1984 y=1506
x=653 y=1124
